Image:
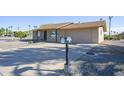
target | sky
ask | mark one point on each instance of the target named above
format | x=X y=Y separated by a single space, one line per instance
x=23 y=21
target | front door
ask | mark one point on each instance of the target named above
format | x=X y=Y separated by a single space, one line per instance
x=45 y=35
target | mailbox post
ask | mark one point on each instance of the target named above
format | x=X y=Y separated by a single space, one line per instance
x=66 y=40
x=66 y=53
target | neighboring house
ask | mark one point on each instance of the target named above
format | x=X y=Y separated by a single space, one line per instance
x=89 y=32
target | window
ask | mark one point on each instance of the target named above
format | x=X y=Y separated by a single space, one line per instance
x=53 y=34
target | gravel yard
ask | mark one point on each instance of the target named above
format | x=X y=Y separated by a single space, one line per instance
x=102 y=60
x=45 y=59
x=19 y=58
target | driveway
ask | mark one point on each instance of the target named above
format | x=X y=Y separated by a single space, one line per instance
x=45 y=59
x=115 y=42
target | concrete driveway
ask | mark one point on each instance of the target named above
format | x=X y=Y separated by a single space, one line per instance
x=45 y=59
x=115 y=42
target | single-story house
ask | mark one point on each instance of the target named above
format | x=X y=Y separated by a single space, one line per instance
x=88 y=32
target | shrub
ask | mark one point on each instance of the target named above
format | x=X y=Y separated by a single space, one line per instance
x=20 y=34
x=106 y=37
x=112 y=37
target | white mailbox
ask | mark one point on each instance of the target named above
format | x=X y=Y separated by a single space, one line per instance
x=68 y=40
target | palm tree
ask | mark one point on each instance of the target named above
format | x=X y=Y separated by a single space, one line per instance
x=101 y=19
x=35 y=27
x=11 y=32
x=18 y=28
x=29 y=30
x=6 y=31
x=11 y=28
x=29 y=27
x=110 y=19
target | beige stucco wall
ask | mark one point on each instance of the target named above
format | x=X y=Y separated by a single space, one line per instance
x=82 y=35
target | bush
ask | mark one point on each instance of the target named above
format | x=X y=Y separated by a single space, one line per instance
x=2 y=31
x=20 y=34
x=112 y=37
x=106 y=37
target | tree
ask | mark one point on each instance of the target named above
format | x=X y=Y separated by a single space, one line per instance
x=20 y=34
x=29 y=30
x=110 y=19
x=35 y=27
x=2 y=31
x=10 y=28
x=18 y=28
x=101 y=19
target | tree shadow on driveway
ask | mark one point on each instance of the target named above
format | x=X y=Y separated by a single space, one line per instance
x=27 y=56
x=33 y=55
x=38 y=71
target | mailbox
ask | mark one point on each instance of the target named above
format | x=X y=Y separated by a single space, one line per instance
x=65 y=40
x=69 y=39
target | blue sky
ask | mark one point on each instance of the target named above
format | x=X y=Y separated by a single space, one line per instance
x=24 y=21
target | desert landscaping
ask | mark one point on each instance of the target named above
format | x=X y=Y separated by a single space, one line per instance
x=48 y=59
